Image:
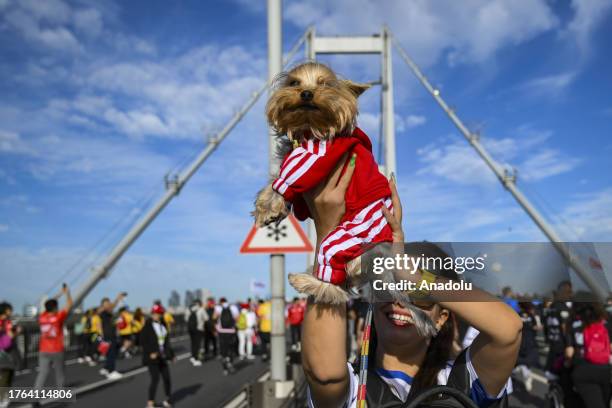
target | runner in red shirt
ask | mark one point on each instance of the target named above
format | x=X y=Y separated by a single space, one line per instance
x=295 y=316
x=51 y=345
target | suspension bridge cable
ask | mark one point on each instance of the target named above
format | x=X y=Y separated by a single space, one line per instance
x=173 y=187
x=90 y=251
x=149 y=197
x=551 y=211
x=508 y=179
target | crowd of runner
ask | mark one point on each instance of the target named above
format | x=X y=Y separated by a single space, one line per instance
x=568 y=341
x=217 y=329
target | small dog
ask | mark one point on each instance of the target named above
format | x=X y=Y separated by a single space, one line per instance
x=309 y=102
x=314 y=114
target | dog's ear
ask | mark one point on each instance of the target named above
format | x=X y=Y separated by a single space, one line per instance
x=356 y=88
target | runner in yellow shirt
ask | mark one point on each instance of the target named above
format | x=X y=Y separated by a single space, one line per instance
x=124 y=326
x=264 y=313
x=169 y=320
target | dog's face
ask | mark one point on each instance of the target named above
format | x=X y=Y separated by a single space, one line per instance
x=311 y=98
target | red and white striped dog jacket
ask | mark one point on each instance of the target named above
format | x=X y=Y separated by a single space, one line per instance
x=363 y=222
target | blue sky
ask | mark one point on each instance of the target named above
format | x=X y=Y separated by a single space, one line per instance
x=101 y=99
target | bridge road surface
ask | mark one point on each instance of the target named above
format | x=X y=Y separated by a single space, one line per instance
x=203 y=386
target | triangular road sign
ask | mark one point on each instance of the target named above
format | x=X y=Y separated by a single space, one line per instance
x=288 y=236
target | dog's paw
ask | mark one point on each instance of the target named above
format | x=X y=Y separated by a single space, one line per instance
x=270 y=207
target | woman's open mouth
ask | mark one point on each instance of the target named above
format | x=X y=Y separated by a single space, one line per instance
x=399 y=319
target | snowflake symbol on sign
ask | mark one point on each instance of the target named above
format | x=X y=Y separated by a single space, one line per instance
x=277 y=231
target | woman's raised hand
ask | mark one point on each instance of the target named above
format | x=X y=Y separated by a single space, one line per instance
x=394 y=219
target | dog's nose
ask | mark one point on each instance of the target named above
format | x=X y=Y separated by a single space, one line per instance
x=306 y=96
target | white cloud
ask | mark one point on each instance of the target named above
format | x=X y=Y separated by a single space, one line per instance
x=50 y=11
x=56 y=25
x=430 y=30
x=457 y=161
x=409 y=122
x=588 y=14
x=56 y=37
x=20 y=202
x=550 y=85
x=99 y=158
x=137 y=123
x=11 y=142
x=89 y=22
x=547 y=163
x=589 y=216
x=439 y=211
x=176 y=97
x=369 y=122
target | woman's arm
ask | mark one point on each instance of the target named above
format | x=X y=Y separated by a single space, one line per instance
x=495 y=349
x=324 y=326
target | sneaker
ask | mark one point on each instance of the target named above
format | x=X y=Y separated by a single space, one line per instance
x=115 y=375
x=250 y=357
x=92 y=363
x=104 y=371
x=196 y=363
x=88 y=359
x=529 y=384
x=80 y=360
x=550 y=376
x=225 y=372
x=166 y=404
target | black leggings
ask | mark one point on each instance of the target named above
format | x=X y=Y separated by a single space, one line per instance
x=155 y=369
x=296 y=333
x=592 y=382
x=210 y=340
x=227 y=344
x=196 y=342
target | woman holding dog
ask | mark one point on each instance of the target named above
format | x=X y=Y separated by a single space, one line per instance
x=401 y=361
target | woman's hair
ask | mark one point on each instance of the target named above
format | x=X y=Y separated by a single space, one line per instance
x=438 y=353
x=440 y=347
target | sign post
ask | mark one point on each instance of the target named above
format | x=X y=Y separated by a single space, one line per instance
x=276 y=240
x=277 y=260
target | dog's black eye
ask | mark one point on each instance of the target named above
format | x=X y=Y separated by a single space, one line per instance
x=294 y=82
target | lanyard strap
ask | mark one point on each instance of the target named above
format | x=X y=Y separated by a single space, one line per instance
x=363 y=363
